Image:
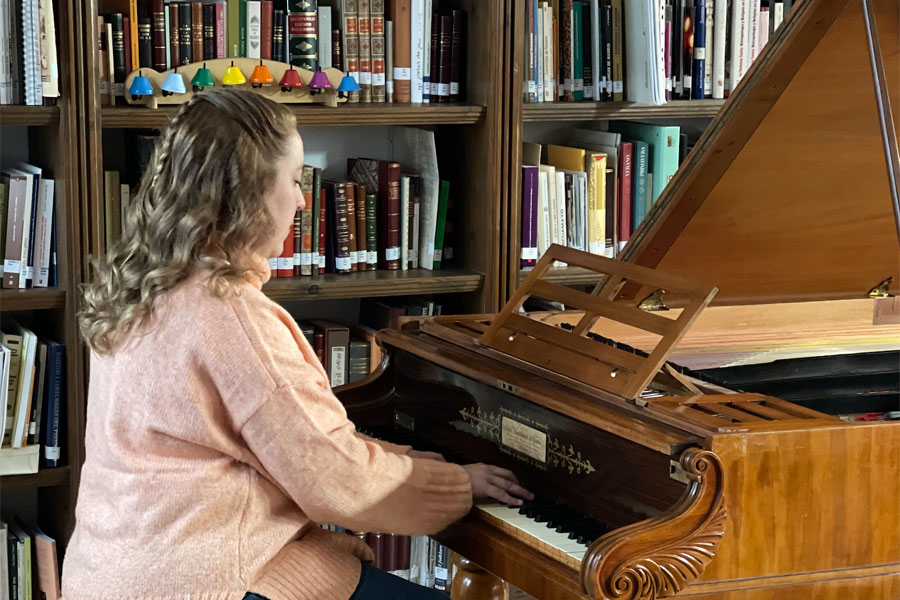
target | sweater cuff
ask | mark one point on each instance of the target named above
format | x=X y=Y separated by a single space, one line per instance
x=446 y=495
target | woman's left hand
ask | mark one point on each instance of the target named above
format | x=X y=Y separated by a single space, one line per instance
x=426 y=455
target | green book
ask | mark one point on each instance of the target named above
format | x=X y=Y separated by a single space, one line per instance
x=242 y=28
x=317 y=260
x=439 y=227
x=639 y=182
x=371 y=230
x=232 y=37
x=663 y=140
x=578 y=50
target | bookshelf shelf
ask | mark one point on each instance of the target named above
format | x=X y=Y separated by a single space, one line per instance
x=32 y=299
x=345 y=114
x=29 y=115
x=584 y=111
x=57 y=477
x=374 y=283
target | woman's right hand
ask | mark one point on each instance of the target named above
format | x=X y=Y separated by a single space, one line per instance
x=489 y=481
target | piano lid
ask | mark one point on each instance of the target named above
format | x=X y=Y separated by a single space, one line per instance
x=791 y=193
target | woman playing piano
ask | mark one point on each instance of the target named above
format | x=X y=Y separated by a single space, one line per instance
x=214 y=446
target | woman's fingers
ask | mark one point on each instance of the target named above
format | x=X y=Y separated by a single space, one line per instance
x=510 y=487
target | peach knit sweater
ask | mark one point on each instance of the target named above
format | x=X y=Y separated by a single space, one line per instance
x=214 y=447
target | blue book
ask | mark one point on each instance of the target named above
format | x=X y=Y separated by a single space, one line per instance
x=54 y=402
x=640 y=193
x=663 y=141
x=54 y=275
x=577 y=50
x=698 y=77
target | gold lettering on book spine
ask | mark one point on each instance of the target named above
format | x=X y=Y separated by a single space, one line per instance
x=659 y=557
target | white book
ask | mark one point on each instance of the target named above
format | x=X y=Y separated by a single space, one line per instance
x=660 y=50
x=414 y=234
x=417 y=43
x=27 y=266
x=254 y=28
x=26 y=380
x=539 y=42
x=43 y=232
x=4 y=557
x=778 y=17
x=415 y=149
x=5 y=358
x=640 y=48
x=37 y=84
x=595 y=51
x=551 y=208
x=5 y=80
x=543 y=212
x=562 y=220
x=548 y=56
x=581 y=199
x=324 y=38
x=429 y=88
x=710 y=42
x=718 y=53
x=405 y=199
x=754 y=29
x=740 y=35
x=49 y=65
x=763 y=28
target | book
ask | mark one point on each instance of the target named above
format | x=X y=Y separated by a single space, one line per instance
x=23 y=558
x=457 y=55
x=46 y=563
x=359 y=191
x=350 y=193
x=324 y=39
x=364 y=25
x=54 y=404
x=440 y=227
x=254 y=29
x=336 y=343
x=306 y=222
x=209 y=32
x=624 y=200
x=389 y=215
x=641 y=185
x=302 y=33
x=379 y=52
x=197 y=30
x=350 y=40
x=401 y=17
x=221 y=29
x=278 y=23
x=405 y=201
x=369 y=336
x=24 y=395
x=185 y=34
x=529 y=252
x=371 y=230
x=358 y=364
x=17 y=206
x=13 y=345
x=159 y=39
x=174 y=34
x=663 y=147
x=32 y=435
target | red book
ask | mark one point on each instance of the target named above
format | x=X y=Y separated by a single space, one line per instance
x=625 y=197
x=174 y=49
x=286 y=260
x=323 y=225
x=351 y=225
x=126 y=30
x=389 y=217
x=159 y=36
x=220 y=29
x=265 y=36
x=197 y=30
x=298 y=241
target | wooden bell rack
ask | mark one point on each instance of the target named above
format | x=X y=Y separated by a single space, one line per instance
x=571 y=353
x=272 y=91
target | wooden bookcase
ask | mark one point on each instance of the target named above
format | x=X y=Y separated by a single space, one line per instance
x=521 y=114
x=53 y=134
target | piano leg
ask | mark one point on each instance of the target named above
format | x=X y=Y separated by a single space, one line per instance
x=474 y=583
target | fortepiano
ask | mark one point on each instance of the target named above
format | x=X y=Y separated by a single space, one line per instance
x=657 y=478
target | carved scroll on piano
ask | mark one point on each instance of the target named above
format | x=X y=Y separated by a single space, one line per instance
x=571 y=353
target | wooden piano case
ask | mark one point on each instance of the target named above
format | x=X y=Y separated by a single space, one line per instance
x=791 y=195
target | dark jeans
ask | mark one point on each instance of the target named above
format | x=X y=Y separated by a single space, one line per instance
x=375 y=584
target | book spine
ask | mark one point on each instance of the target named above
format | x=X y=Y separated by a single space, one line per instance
x=379 y=63
x=754 y=30
x=625 y=197
x=159 y=35
x=278 y=33
x=618 y=45
x=342 y=230
x=568 y=67
x=441 y=567
x=337 y=54
x=405 y=199
x=43 y=230
x=359 y=191
x=577 y=52
x=440 y=228
x=221 y=31
x=56 y=381
x=174 y=33
x=351 y=226
x=118 y=49
x=529 y=250
x=129 y=34
x=445 y=55
x=457 y=54
x=364 y=25
x=350 y=39
x=104 y=88
x=314 y=206
x=265 y=35
x=548 y=86
x=389 y=221
x=687 y=52
x=13 y=269
x=739 y=37
x=242 y=28
x=254 y=28
x=416 y=204
x=641 y=185
x=185 y=33
x=720 y=16
x=401 y=15
x=302 y=32
x=197 y=30
x=709 y=9
x=606 y=36
x=371 y=231
x=324 y=39
x=417 y=48
x=427 y=46
x=323 y=230
x=586 y=51
x=233 y=22
x=209 y=32
x=698 y=75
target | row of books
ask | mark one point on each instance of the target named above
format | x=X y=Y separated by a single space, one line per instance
x=414 y=55
x=29 y=72
x=418 y=558
x=592 y=193
x=612 y=50
x=27 y=227
x=348 y=353
x=32 y=394
x=29 y=567
x=378 y=219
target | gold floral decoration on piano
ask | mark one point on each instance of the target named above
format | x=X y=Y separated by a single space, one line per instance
x=486 y=423
x=567 y=457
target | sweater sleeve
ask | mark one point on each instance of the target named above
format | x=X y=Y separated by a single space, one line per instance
x=387 y=446
x=304 y=441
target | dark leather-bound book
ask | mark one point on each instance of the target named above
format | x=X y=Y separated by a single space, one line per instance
x=350 y=194
x=278 y=34
x=359 y=191
x=445 y=55
x=185 y=34
x=359 y=360
x=197 y=30
x=118 y=47
x=145 y=34
x=159 y=35
x=378 y=51
x=302 y=33
x=174 y=35
x=371 y=231
x=130 y=49
x=336 y=342
x=336 y=53
x=266 y=34
x=389 y=217
x=435 y=67
x=323 y=231
x=209 y=31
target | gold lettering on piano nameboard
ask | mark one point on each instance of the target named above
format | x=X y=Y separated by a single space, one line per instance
x=527 y=440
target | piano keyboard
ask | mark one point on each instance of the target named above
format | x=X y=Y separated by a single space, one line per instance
x=554 y=530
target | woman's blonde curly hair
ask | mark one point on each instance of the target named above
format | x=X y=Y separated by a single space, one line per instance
x=200 y=205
